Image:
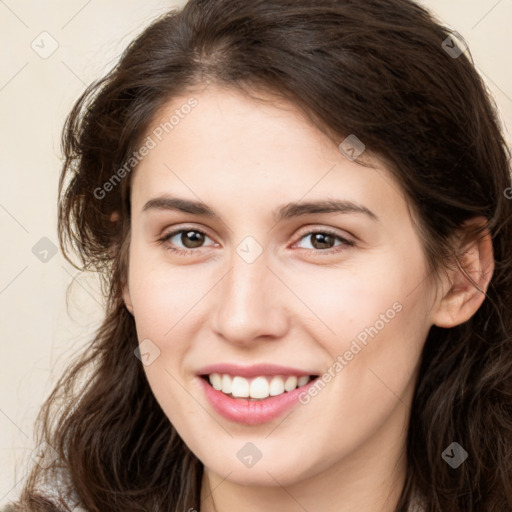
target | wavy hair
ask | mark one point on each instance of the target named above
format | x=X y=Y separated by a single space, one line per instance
x=382 y=72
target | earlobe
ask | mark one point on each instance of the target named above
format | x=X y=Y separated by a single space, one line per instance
x=127 y=299
x=466 y=284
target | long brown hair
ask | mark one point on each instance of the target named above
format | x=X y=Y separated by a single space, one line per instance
x=383 y=71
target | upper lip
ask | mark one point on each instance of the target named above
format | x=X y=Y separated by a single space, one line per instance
x=256 y=370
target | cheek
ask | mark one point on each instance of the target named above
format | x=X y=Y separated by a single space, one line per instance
x=163 y=298
x=342 y=302
x=162 y=294
x=375 y=318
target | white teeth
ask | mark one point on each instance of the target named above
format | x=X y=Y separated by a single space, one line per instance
x=240 y=387
x=276 y=386
x=290 y=383
x=226 y=384
x=258 y=388
x=216 y=381
x=302 y=380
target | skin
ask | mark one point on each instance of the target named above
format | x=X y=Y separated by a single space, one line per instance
x=344 y=450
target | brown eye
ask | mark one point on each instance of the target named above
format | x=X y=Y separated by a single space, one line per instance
x=183 y=240
x=322 y=240
x=325 y=242
x=192 y=239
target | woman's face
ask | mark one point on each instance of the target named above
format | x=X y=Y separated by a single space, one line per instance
x=259 y=275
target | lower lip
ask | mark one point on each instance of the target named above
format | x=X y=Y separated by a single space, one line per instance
x=252 y=412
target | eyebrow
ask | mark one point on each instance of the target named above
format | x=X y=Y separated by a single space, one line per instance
x=287 y=211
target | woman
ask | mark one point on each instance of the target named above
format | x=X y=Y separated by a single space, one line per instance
x=237 y=367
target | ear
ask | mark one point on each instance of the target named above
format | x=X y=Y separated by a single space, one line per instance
x=464 y=287
x=127 y=299
x=114 y=218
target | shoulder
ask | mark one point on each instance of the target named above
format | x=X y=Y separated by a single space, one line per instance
x=55 y=496
x=417 y=504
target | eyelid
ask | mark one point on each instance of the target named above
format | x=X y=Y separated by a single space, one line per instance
x=328 y=231
x=305 y=231
x=345 y=241
x=166 y=235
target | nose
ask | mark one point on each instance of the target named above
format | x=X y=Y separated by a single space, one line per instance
x=250 y=303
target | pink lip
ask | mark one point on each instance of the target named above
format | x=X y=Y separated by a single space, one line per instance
x=253 y=371
x=248 y=412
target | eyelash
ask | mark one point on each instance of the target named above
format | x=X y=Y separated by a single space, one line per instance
x=314 y=252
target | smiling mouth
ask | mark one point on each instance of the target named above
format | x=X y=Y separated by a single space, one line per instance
x=257 y=388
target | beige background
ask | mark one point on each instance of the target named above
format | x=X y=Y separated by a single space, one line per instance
x=38 y=334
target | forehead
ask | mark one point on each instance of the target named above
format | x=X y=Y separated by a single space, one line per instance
x=221 y=142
